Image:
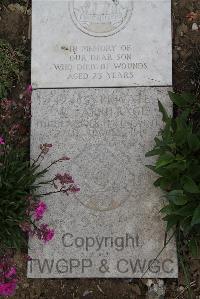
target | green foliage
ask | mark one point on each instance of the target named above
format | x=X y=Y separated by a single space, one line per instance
x=11 y=62
x=17 y=182
x=178 y=165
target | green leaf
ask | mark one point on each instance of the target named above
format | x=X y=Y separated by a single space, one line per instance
x=178 y=99
x=177 y=166
x=193 y=142
x=196 y=216
x=158 y=141
x=169 y=209
x=163 y=183
x=153 y=152
x=189 y=185
x=180 y=136
x=165 y=159
x=181 y=121
x=186 y=210
x=161 y=171
x=177 y=197
x=163 y=111
x=172 y=221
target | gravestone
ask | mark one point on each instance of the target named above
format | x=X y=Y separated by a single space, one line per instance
x=101 y=43
x=98 y=70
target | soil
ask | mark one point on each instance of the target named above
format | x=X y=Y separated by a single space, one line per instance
x=15 y=27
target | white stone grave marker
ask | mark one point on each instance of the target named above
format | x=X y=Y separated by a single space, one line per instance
x=112 y=227
x=101 y=43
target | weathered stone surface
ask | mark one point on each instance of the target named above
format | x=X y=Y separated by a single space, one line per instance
x=101 y=43
x=106 y=132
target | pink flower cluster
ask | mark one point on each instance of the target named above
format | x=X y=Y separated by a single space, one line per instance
x=40 y=210
x=8 y=280
x=66 y=183
x=42 y=231
x=8 y=288
x=2 y=140
x=29 y=89
x=35 y=209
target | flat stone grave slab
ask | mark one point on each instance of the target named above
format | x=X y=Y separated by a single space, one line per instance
x=112 y=227
x=105 y=43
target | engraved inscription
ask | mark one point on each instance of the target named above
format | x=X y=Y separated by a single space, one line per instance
x=111 y=130
x=100 y=62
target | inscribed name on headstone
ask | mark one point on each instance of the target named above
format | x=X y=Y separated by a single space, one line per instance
x=101 y=43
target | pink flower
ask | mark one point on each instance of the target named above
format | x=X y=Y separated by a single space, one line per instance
x=2 y=140
x=10 y=273
x=45 y=148
x=28 y=258
x=49 y=235
x=8 y=281
x=45 y=233
x=40 y=210
x=64 y=179
x=73 y=189
x=29 y=89
x=8 y=288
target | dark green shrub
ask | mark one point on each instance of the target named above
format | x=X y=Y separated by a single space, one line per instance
x=178 y=167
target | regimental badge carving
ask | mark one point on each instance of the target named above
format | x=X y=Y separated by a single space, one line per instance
x=105 y=182
x=101 y=18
